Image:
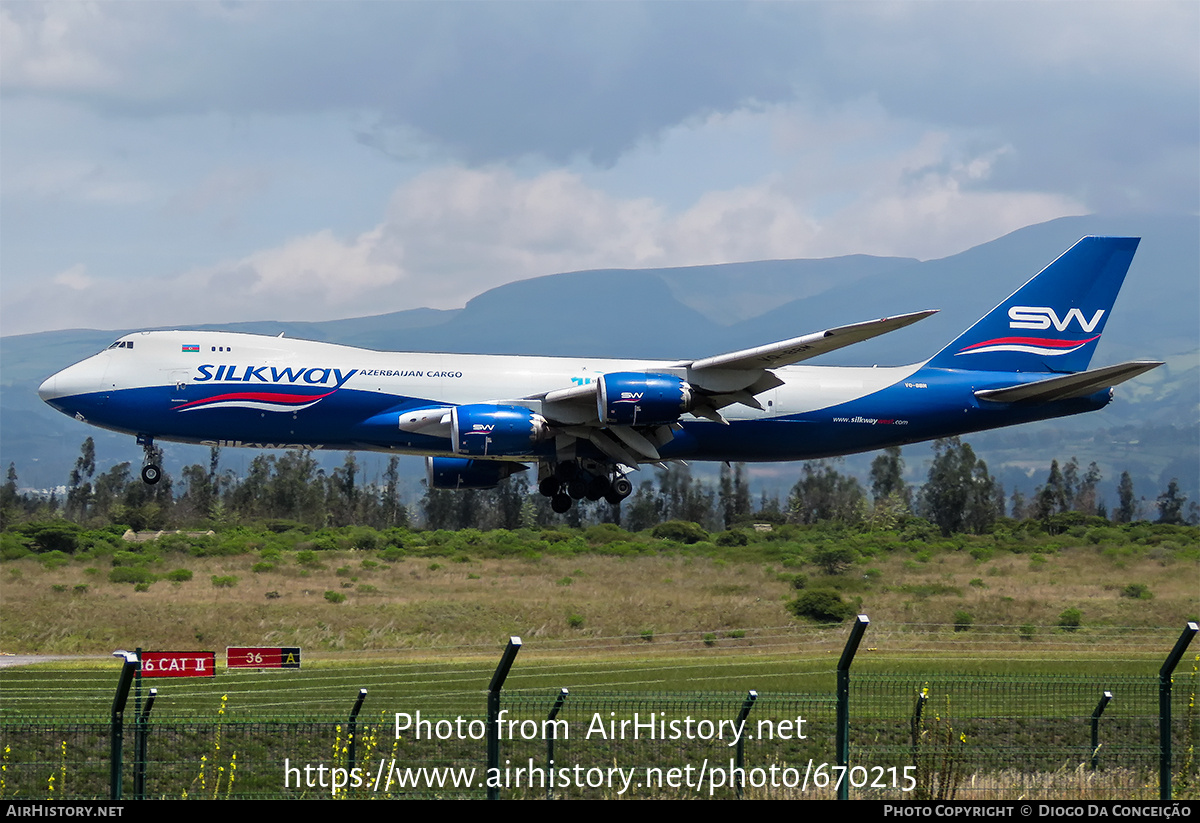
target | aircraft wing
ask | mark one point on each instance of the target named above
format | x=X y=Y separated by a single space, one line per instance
x=1066 y=386
x=786 y=352
x=713 y=383
x=703 y=387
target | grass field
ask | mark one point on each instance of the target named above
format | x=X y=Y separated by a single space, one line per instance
x=431 y=629
x=978 y=621
x=598 y=598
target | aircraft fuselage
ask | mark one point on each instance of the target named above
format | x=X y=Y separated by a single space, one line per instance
x=227 y=389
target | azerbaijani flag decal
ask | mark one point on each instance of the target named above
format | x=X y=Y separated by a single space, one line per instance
x=1028 y=345
x=257 y=400
x=186 y=347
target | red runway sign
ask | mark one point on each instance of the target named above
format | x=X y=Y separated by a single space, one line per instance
x=251 y=657
x=179 y=664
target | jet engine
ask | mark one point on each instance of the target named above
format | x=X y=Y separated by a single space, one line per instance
x=464 y=473
x=633 y=399
x=482 y=430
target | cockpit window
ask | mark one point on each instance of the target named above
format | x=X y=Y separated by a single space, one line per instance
x=122 y=344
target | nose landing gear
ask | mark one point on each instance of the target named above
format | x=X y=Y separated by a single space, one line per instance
x=152 y=462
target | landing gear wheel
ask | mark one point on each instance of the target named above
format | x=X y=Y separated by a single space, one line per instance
x=151 y=474
x=577 y=488
x=549 y=486
x=622 y=487
x=597 y=488
x=561 y=503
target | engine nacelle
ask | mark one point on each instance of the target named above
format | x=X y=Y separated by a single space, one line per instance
x=483 y=430
x=464 y=473
x=634 y=399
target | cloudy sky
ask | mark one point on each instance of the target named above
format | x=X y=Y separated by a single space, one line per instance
x=210 y=162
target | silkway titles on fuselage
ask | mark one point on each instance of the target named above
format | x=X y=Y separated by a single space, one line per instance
x=316 y=376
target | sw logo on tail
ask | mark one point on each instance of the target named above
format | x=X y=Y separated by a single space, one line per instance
x=1042 y=317
x=480 y=418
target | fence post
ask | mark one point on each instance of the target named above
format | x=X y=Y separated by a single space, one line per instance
x=1099 y=710
x=141 y=731
x=117 y=724
x=843 y=703
x=352 y=727
x=493 y=715
x=558 y=704
x=1164 y=709
x=747 y=704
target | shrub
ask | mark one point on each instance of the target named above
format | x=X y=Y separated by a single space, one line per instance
x=131 y=574
x=179 y=575
x=963 y=621
x=575 y=621
x=679 y=531
x=1138 y=591
x=52 y=535
x=733 y=537
x=13 y=546
x=604 y=533
x=226 y=582
x=55 y=559
x=335 y=597
x=822 y=605
x=982 y=554
x=833 y=558
x=1070 y=620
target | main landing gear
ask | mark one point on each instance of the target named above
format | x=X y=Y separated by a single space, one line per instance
x=151 y=463
x=570 y=481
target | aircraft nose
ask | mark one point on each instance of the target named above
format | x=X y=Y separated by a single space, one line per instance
x=49 y=388
x=81 y=379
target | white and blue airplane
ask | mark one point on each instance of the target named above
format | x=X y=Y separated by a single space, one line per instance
x=586 y=422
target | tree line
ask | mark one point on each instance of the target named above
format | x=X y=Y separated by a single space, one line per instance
x=958 y=496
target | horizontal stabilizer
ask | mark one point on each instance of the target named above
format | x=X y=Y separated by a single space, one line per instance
x=1067 y=386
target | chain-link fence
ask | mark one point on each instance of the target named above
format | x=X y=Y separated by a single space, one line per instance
x=927 y=736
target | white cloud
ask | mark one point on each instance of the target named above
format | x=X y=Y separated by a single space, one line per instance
x=453 y=232
x=74 y=278
x=57 y=46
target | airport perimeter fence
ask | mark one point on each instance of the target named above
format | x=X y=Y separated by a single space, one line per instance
x=910 y=737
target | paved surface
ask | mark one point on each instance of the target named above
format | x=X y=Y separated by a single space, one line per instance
x=7 y=660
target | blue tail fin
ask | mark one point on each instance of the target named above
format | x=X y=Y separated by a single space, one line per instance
x=1054 y=321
